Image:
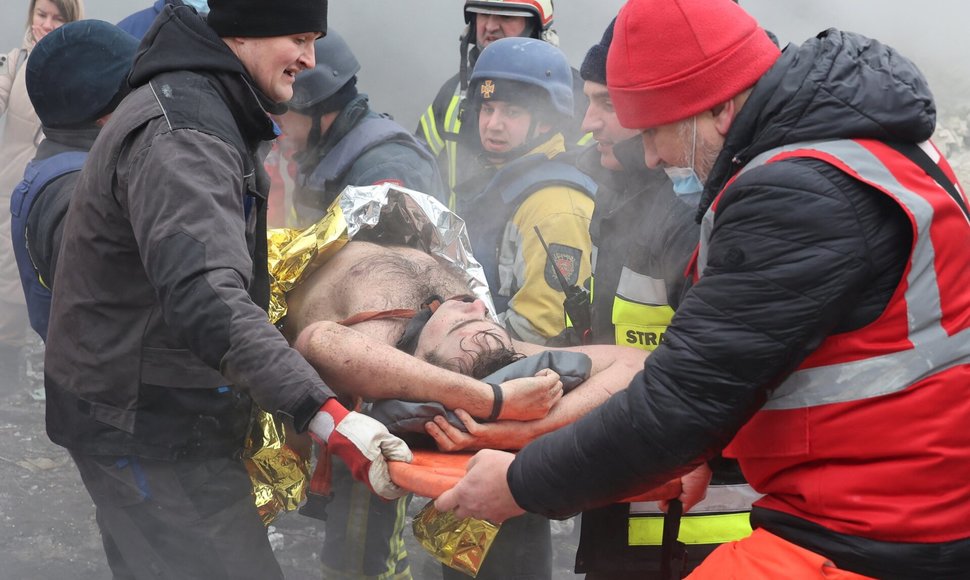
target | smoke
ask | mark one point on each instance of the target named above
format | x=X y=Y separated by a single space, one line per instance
x=407 y=49
x=932 y=35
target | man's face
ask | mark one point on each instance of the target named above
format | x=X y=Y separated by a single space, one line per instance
x=670 y=145
x=459 y=330
x=602 y=122
x=491 y=27
x=503 y=126
x=274 y=62
x=296 y=128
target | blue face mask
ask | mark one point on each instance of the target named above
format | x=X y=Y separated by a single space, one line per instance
x=201 y=6
x=685 y=179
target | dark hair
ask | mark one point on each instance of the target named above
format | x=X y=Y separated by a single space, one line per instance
x=485 y=361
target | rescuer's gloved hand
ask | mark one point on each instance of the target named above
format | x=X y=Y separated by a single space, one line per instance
x=363 y=443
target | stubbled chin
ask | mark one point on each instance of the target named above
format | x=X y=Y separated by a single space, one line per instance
x=283 y=94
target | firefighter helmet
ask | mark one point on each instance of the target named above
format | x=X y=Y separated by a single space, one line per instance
x=540 y=10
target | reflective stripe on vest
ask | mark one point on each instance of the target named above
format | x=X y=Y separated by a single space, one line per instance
x=694 y=530
x=445 y=139
x=430 y=130
x=452 y=126
x=723 y=516
x=933 y=349
x=640 y=313
x=876 y=417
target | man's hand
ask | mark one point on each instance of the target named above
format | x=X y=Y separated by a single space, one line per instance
x=530 y=398
x=364 y=444
x=484 y=491
x=498 y=435
x=693 y=488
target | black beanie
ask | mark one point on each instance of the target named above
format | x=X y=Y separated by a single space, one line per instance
x=76 y=74
x=594 y=65
x=263 y=18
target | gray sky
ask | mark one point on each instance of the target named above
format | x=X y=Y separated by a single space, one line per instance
x=408 y=48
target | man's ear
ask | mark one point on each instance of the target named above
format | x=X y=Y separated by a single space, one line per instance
x=724 y=115
x=234 y=43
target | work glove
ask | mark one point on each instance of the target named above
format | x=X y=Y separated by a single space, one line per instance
x=363 y=443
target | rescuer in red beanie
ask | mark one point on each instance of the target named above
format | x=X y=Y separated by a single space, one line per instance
x=671 y=59
x=824 y=340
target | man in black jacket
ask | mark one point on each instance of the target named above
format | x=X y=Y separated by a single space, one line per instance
x=159 y=343
x=825 y=342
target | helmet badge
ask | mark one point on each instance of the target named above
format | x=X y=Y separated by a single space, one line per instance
x=488 y=88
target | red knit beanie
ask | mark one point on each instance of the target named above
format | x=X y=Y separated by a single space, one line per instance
x=672 y=59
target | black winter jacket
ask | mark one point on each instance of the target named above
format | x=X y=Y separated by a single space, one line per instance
x=799 y=251
x=158 y=335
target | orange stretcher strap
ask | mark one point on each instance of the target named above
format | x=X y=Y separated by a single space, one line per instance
x=434 y=472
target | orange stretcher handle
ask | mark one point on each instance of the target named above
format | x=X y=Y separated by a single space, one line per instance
x=434 y=472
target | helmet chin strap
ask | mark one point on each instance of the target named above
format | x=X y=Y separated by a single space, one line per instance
x=463 y=49
x=315 y=135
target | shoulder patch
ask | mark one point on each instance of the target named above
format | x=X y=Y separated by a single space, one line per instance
x=567 y=260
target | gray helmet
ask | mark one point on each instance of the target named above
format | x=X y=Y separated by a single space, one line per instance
x=336 y=65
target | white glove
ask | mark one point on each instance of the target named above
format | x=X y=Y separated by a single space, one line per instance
x=364 y=444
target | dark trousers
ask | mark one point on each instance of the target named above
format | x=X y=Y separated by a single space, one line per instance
x=178 y=519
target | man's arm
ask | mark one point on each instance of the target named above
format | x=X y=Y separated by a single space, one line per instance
x=777 y=282
x=359 y=364
x=190 y=228
x=613 y=369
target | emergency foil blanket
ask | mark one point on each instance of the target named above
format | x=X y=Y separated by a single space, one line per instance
x=383 y=214
x=279 y=474
x=458 y=543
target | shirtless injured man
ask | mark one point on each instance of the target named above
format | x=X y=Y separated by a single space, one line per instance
x=387 y=321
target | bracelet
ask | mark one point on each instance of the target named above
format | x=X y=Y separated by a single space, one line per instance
x=496 y=401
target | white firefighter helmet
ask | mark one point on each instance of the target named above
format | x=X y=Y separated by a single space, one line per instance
x=540 y=10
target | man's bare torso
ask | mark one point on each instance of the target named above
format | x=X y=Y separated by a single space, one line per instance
x=363 y=277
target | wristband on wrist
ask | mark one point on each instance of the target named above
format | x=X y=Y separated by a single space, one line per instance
x=496 y=401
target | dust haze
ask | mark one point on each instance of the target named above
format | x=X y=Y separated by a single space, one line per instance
x=408 y=48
